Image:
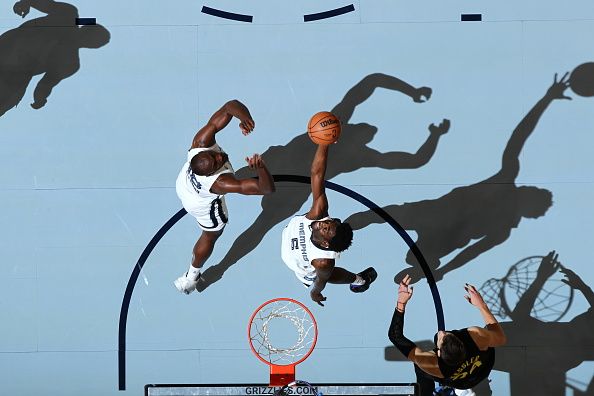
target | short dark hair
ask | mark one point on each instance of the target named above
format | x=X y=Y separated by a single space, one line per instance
x=342 y=238
x=452 y=350
x=200 y=163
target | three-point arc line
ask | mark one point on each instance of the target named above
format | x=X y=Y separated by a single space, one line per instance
x=249 y=18
x=328 y=14
x=277 y=178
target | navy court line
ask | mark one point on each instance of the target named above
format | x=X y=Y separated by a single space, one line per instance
x=227 y=15
x=85 y=21
x=471 y=17
x=277 y=178
x=328 y=14
x=128 y=294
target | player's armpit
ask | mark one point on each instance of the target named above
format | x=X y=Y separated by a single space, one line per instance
x=427 y=361
x=319 y=207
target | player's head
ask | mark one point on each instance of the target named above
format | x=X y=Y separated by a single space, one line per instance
x=450 y=348
x=534 y=202
x=331 y=234
x=93 y=36
x=205 y=163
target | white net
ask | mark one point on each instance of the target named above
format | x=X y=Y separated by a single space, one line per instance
x=293 y=344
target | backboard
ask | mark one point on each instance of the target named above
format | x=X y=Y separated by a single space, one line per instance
x=353 y=389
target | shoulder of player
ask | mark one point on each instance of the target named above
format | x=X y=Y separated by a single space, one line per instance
x=480 y=336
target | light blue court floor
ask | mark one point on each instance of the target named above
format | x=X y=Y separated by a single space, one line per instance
x=87 y=179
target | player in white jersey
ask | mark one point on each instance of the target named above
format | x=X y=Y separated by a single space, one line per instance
x=311 y=243
x=204 y=179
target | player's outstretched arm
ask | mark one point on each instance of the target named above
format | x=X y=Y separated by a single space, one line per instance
x=403 y=160
x=510 y=160
x=220 y=119
x=492 y=334
x=471 y=252
x=573 y=280
x=427 y=361
x=47 y=83
x=365 y=88
x=319 y=208
x=324 y=268
x=549 y=265
x=264 y=184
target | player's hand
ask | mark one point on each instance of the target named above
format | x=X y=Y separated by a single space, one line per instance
x=247 y=125
x=557 y=90
x=405 y=291
x=573 y=280
x=473 y=296
x=255 y=161
x=422 y=94
x=441 y=129
x=317 y=297
x=21 y=9
x=548 y=265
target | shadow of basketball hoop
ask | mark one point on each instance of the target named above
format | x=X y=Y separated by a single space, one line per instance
x=502 y=295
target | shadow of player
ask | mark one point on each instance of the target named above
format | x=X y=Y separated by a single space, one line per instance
x=349 y=154
x=473 y=218
x=48 y=45
x=538 y=354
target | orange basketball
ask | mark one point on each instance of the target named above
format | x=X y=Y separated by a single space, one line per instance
x=324 y=128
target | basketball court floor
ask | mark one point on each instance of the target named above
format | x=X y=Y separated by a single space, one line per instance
x=87 y=182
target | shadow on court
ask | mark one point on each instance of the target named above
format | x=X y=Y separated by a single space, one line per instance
x=349 y=154
x=473 y=218
x=48 y=45
x=539 y=352
x=536 y=294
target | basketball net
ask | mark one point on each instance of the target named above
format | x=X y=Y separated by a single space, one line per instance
x=282 y=360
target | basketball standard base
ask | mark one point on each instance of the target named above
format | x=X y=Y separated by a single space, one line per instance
x=387 y=389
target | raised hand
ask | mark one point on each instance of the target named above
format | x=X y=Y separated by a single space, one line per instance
x=422 y=94
x=247 y=125
x=255 y=161
x=442 y=128
x=21 y=9
x=473 y=296
x=405 y=291
x=572 y=279
x=557 y=90
x=548 y=265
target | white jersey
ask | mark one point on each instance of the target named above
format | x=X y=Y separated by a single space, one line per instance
x=194 y=192
x=297 y=249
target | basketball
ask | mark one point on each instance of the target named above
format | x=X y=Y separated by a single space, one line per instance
x=581 y=79
x=324 y=128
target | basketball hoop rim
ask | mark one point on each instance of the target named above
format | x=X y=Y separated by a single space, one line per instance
x=315 y=325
